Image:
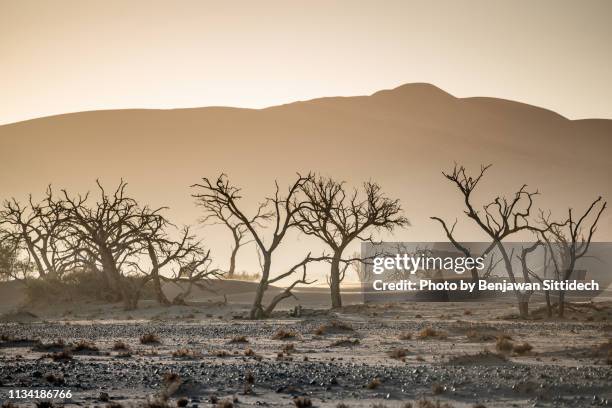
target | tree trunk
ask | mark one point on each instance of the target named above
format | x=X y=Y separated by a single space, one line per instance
x=159 y=293
x=334 y=275
x=561 y=303
x=523 y=305
x=257 y=311
x=548 y=305
x=232 y=268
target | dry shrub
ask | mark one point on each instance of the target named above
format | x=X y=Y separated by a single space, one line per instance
x=186 y=353
x=119 y=345
x=302 y=402
x=467 y=312
x=405 y=336
x=522 y=348
x=57 y=344
x=239 y=339
x=157 y=403
x=171 y=383
x=113 y=404
x=182 y=402
x=44 y=404
x=398 y=353
x=503 y=344
x=289 y=348
x=342 y=405
x=407 y=405
x=333 y=326
x=61 y=356
x=437 y=388
x=55 y=379
x=84 y=346
x=479 y=406
x=249 y=352
x=149 y=338
x=226 y=403
x=425 y=403
x=282 y=334
x=429 y=333
x=609 y=358
x=344 y=343
x=475 y=335
x=222 y=353
x=375 y=383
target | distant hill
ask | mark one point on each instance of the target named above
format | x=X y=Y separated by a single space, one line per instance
x=401 y=138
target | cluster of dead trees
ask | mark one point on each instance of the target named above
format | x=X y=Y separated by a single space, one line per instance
x=316 y=206
x=564 y=241
x=130 y=246
x=112 y=237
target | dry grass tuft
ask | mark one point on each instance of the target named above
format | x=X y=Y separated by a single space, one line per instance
x=375 y=383
x=398 y=353
x=430 y=333
x=249 y=352
x=405 y=336
x=55 y=379
x=302 y=402
x=61 y=356
x=283 y=334
x=344 y=343
x=289 y=348
x=342 y=405
x=119 y=345
x=226 y=403
x=479 y=406
x=221 y=353
x=475 y=335
x=57 y=344
x=182 y=402
x=522 y=348
x=425 y=403
x=186 y=353
x=437 y=388
x=333 y=326
x=238 y=339
x=503 y=344
x=84 y=346
x=150 y=338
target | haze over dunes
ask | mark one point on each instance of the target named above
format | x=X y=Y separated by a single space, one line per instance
x=401 y=138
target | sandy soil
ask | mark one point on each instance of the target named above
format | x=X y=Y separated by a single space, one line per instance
x=361 y=355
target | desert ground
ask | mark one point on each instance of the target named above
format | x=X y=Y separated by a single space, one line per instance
x=207 y=354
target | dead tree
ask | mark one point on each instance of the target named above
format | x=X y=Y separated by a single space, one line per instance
x=278 y=211
x=41 y=230
x=108 y=237
x=218 y=214
x=185 y=258
x=569 y=240
x=499 y=219
x=338 y=217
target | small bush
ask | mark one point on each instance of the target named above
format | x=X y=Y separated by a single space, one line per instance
x=522 y=348
x=405 y=336
x=333 y=326
x=302 y=402
x=61 y=356
x=289 y=348
x=503 y=344
x=429 y=333
x=119 y=345
x=182 y=402
x=282 y=334
x=186 y=353
x=375 y=383
x=239 y=339
x=342 y=405
x=437 y=388
x=398 y=353
x=84 y=346
x=344 y=343
x=149 y=338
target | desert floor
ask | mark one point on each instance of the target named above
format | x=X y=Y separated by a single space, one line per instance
x=207 y=354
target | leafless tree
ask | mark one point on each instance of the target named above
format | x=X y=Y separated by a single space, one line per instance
x=185 y=258
x=338 y=217
x=41 y=229
x=216 y=213
x=499 y=219
x=278 y=211
x=569 y=240
x=108 y=237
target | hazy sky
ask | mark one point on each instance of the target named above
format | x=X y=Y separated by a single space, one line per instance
x=64 y=56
